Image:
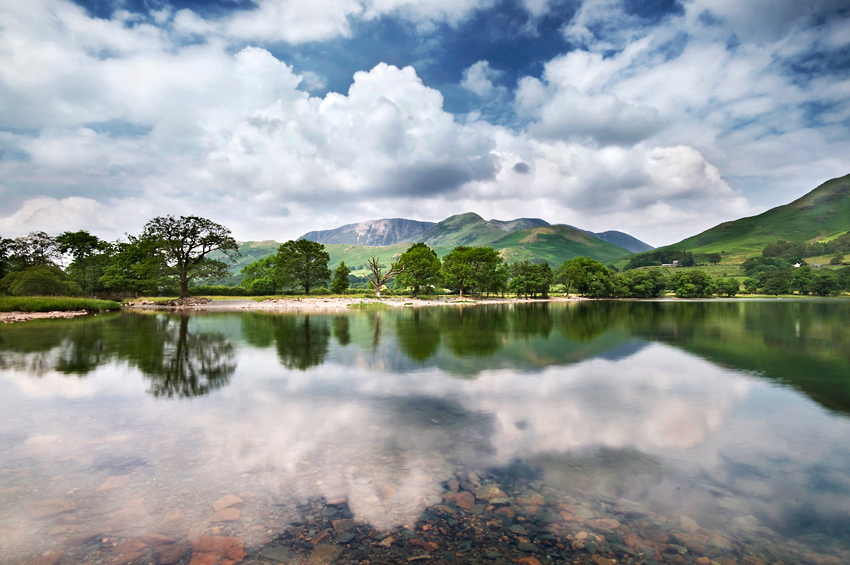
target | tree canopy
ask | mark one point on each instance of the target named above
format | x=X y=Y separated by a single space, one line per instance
x=421 y=267
x=182 y=244
x=473 y=269
x=302 y=263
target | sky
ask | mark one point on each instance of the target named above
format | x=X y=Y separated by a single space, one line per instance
x=659 y=118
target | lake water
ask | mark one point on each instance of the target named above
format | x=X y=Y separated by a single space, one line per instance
x=627 y=432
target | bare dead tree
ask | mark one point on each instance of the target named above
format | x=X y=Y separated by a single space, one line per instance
x=379 y=278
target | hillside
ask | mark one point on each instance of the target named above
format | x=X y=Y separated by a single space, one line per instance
x=555 y=244
x=372 y=232
x=463 y=229
x=530 y=239
x=821 y=214
x=250 y=251
x=623 y=240
x=519 y=224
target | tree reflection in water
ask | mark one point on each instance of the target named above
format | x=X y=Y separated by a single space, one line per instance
x=418 y=334
x=179 y=362
x=184 y=364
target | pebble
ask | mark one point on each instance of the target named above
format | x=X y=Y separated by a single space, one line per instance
x=229 y=501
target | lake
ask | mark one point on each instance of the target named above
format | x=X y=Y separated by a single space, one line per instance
x=582 y=432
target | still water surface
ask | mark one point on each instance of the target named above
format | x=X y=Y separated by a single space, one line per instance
x=640 y=432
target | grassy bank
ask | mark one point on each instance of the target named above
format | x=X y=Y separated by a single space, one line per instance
x=54 y=304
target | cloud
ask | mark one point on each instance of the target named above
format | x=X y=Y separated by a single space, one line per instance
x=660 y=122
x=479 y=78
x=388 y=137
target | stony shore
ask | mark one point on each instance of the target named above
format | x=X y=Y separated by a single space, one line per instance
x=319 y=304
x=289 y=304
x=9 y=317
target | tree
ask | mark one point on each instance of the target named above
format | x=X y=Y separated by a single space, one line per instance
x=801 y=279
x=38 y=280
x=640 y=284
x=589 y=277
x=531 y=279
x=259 y=277
x=135 y=265
x=84 y=248
x=378 y=276
x=713 y=258
x=5 y=247
x=421 y=267
x=302 y=263
x=825 y=282
x=183 y=243
x=692 y=284
x=339 y=284
x=475 y=269
x=35 y=248
x=728 y=287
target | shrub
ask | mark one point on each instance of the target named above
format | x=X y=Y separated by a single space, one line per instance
x=41 y=280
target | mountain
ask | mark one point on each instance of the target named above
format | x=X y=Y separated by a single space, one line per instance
x=462 y=229
x=372 y=232
x=519 y=224
x=468 y=229
x=555 y=244
x=821 y=214
x=623 y=240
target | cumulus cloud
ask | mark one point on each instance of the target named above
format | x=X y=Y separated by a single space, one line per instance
x=658 y=125
x=479 y=78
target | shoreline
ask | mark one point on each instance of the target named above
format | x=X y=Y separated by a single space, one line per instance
x=11 y=317
x=319 y=304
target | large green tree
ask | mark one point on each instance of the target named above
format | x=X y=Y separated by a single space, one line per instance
x=88 y=262
x=183 y=245
x=692 y=284
x=531 y=279
x=588 y=276
x=302 y=263
x=421 y=268
x=825 y=282
x=134 y=266
x=473 y=269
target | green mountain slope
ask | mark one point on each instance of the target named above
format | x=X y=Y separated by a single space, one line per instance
x=468 y=229
x=821 y=214
x=555 y=244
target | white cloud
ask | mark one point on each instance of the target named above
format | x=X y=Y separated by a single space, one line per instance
x=479 y=78
x=647 y=128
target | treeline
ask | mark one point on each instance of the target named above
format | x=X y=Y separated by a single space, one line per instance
x=174 y=255
x=474 y=271
x=165 y=258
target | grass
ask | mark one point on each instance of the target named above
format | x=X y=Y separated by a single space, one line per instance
x=54 y=304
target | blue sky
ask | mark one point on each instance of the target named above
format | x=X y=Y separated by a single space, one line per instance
x=276 y=117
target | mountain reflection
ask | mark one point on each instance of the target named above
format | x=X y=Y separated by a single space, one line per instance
x=803 y=344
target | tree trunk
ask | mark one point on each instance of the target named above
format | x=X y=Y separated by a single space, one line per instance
x=184 y=286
